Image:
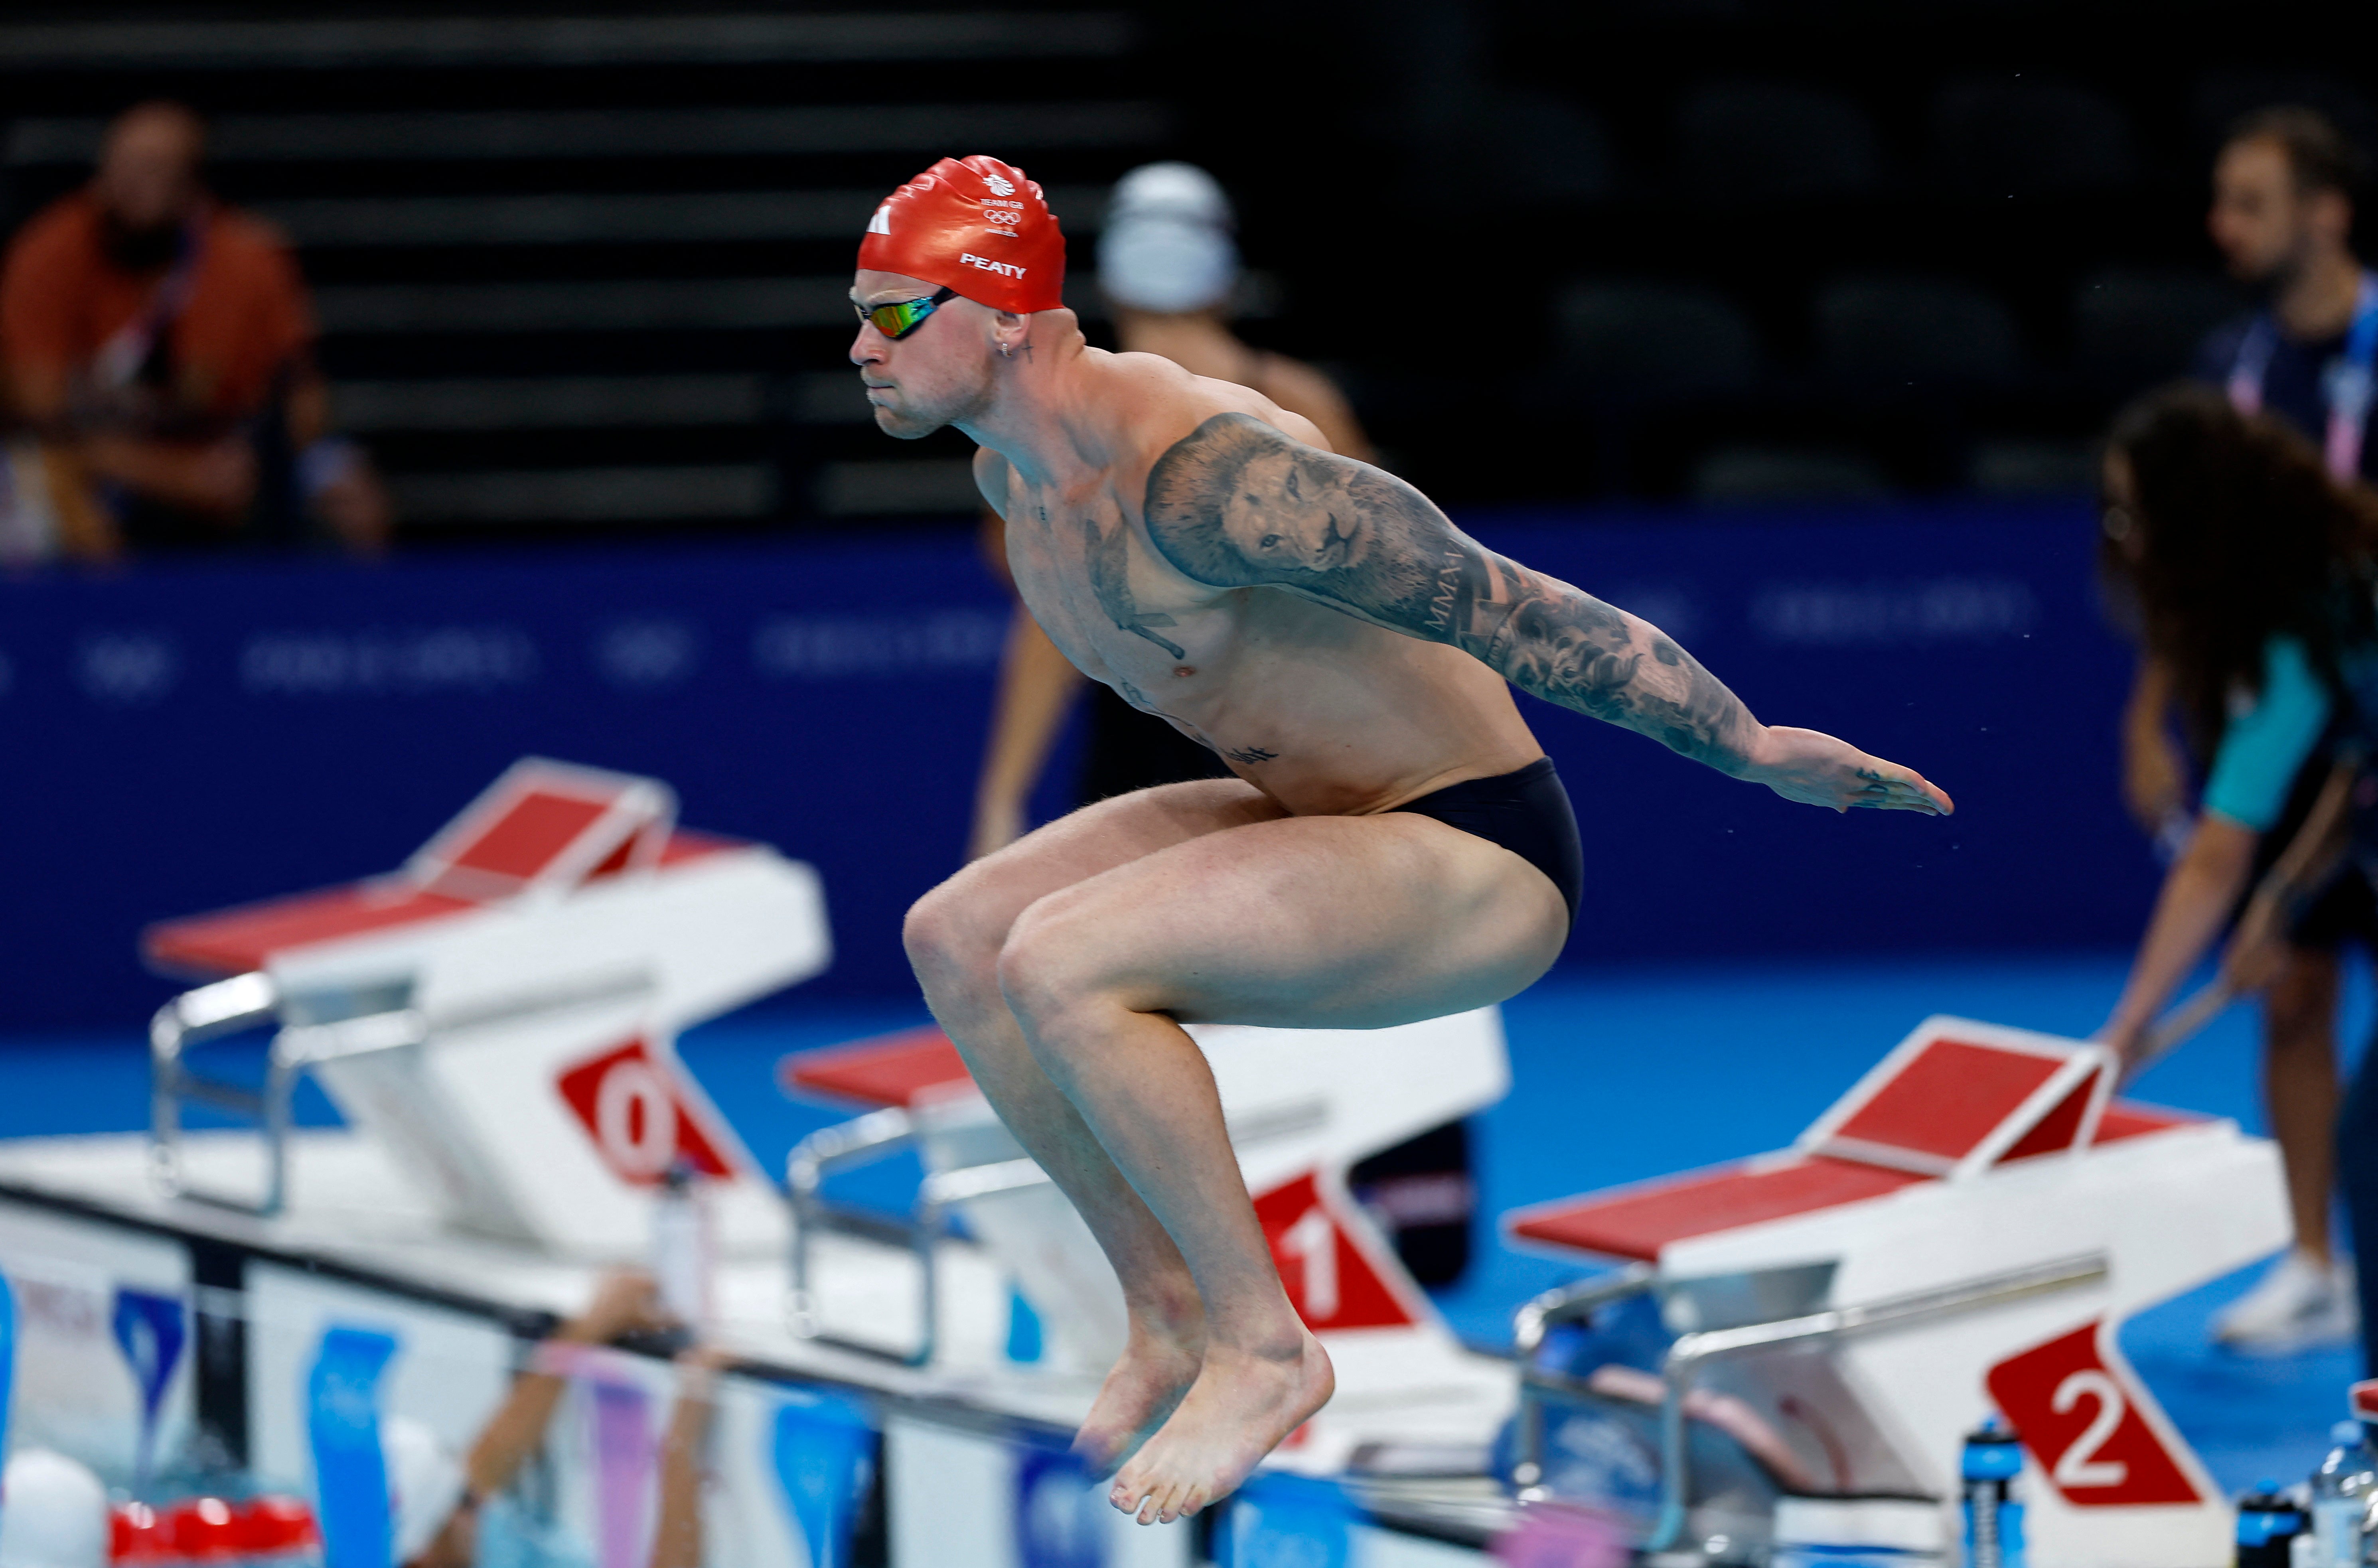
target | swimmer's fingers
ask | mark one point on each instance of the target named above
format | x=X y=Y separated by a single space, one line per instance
x=1885 y=787
x=1819 y=770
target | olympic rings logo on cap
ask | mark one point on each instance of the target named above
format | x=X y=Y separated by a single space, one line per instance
x=930 y=229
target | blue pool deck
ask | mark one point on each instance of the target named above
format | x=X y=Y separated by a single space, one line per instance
x=1624 y=1074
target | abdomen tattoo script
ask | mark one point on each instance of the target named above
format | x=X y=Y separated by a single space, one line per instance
x=1236 y=504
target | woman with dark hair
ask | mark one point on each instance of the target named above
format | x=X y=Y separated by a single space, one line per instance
x=2251 y=574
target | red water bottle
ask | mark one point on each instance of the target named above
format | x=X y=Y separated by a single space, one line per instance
x=136 y=1535
x=279 y=1532
x=202 y=1532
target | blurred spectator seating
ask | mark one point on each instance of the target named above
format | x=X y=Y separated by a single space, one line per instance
x=1752 y=144
x=2226 y=95
x=1646 y=345
x=1902 y=338
x=2133 y=328
x=1751 y=474
x=591 y=273
x=160 y=345
x=1524 y=145
x=2028 y=139
x=2032 y=467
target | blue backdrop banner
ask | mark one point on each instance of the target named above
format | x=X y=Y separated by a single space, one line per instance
x=184 y=736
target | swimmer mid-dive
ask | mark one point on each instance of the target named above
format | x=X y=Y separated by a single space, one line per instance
x=1394 y=845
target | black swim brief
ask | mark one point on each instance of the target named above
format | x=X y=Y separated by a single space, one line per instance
x=1527 y=812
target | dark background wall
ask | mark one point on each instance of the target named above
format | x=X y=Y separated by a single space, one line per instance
x=1791 y=324
x=183 y=737
x=579 y=266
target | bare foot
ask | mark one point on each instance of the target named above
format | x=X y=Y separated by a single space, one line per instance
x=1239 y=1409
x=1155 y=1370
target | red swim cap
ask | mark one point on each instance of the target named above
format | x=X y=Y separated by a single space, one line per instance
x=977 y=226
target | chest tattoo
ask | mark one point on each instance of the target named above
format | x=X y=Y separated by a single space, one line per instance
x=1110 y=557
x=1251 y=756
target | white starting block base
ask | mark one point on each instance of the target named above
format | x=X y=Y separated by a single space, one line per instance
x=378 y=1249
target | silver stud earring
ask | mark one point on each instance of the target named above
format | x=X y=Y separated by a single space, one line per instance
x=1005 y=352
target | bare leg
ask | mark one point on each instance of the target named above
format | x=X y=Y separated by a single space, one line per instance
x=1306 y=922
x=2300 y=1088
x=954 y=935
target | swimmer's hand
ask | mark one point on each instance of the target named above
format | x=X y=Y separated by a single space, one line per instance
x=1816 y=770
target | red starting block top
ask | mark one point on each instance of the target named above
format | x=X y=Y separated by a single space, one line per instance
x=541 y=829
x=1636 y=1222
x=235 y=940
x=891 y=1071
x=1954 y=1099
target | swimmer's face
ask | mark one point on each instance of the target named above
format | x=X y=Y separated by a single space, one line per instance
x=2265 y=223
x=941 y=372
x=1290 y=510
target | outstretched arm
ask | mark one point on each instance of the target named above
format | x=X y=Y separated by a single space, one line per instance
x=1237 y=504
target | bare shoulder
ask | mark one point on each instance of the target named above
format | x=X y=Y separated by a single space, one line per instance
x=991 y=473
x=1158 y=405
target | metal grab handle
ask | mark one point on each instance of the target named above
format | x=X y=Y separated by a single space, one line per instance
x=1568 y=1303
x=379 y=1016
x=223 y=1008
x=227 y=1007
x=871 y=1137
x=858 y=1142
x=1687 y=1355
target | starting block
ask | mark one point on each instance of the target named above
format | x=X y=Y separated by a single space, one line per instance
x=501 y=1014
x=1302 y=1105
x=1967 y=1229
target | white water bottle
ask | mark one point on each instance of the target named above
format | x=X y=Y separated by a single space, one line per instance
x=682 y=1247
x=2341 y=1492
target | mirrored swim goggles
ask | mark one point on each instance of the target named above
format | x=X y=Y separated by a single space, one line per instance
x=901 y=317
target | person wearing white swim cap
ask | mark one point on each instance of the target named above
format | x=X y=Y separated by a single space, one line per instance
x=1169 y=268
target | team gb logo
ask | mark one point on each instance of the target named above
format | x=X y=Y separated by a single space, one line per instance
x=999 y=187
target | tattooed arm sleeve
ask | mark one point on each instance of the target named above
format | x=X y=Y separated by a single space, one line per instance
x=1236 y=504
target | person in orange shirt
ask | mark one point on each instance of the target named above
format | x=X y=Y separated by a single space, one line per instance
x=159 y=346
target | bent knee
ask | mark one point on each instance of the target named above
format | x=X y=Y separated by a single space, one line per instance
x=1049 y=970
x=947 y=933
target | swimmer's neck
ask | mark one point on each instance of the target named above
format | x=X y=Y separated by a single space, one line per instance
x=1031 y=417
